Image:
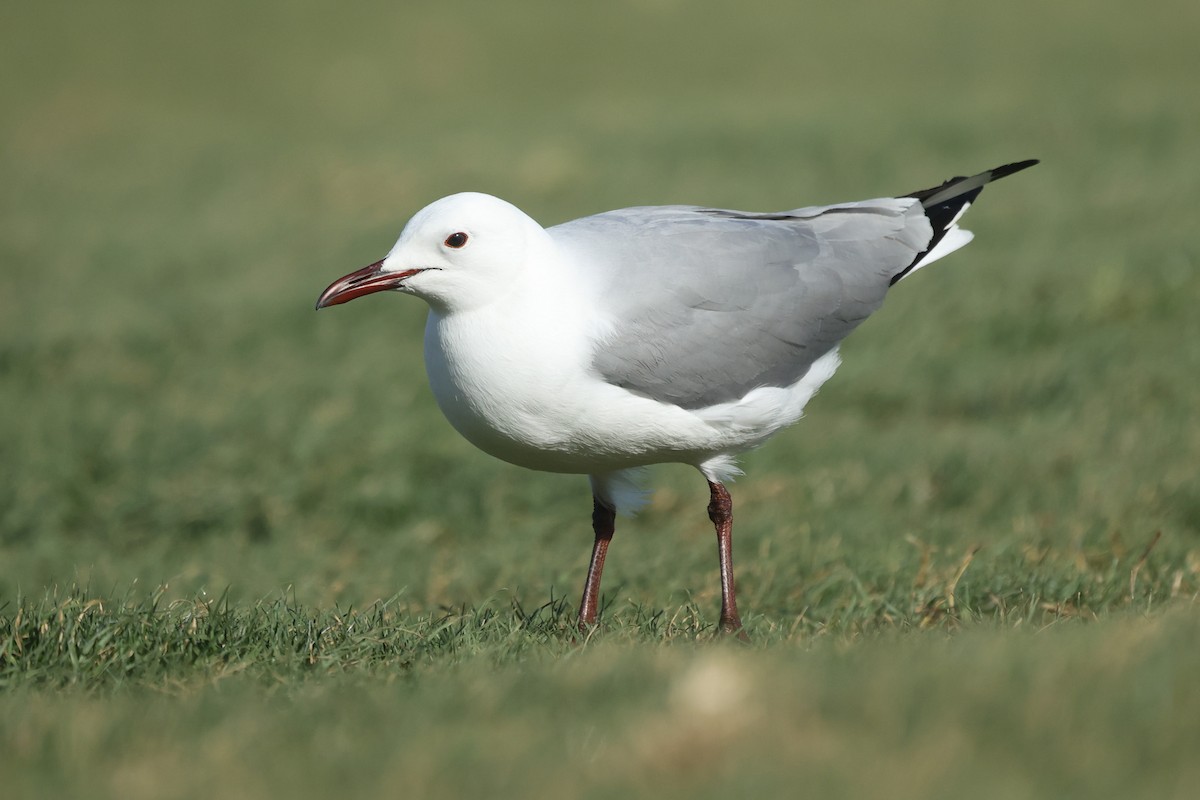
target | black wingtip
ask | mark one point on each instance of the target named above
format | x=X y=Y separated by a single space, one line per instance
x=943 y=203
x=963 y=183
x=1016 y=166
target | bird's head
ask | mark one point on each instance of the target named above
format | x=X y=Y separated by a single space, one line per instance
x=457 y=253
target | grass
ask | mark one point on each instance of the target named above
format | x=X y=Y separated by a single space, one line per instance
x=275 y=699
x=242 y=554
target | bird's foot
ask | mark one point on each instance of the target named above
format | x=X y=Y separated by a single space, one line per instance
x=731 y=625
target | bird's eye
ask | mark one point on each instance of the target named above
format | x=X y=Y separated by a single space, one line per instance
x=456 y=240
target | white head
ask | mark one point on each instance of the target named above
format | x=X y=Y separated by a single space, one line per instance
x=457 y=253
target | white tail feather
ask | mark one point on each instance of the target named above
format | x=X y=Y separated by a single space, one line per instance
x=955 y=238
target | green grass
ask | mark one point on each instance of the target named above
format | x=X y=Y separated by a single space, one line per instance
x=241 y=554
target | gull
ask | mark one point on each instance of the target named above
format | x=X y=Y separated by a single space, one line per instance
x=648 y=335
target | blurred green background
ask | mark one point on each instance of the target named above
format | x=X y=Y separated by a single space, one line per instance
x=178 y=183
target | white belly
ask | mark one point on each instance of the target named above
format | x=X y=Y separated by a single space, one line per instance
x=529 y=399
x=526 y=395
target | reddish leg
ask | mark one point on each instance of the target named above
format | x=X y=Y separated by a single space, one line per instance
x=720 y=511
x=603 y=523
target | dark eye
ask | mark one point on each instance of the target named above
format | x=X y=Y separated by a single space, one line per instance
x=456 y=240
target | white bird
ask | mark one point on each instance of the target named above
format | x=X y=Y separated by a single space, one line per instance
x=649 y=335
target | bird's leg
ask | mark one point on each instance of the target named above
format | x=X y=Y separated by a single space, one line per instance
x=720 y=511
x=603 y=523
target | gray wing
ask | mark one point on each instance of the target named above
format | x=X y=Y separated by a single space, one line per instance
x=708 y=304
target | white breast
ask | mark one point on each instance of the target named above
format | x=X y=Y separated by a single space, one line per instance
x=514 y=377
